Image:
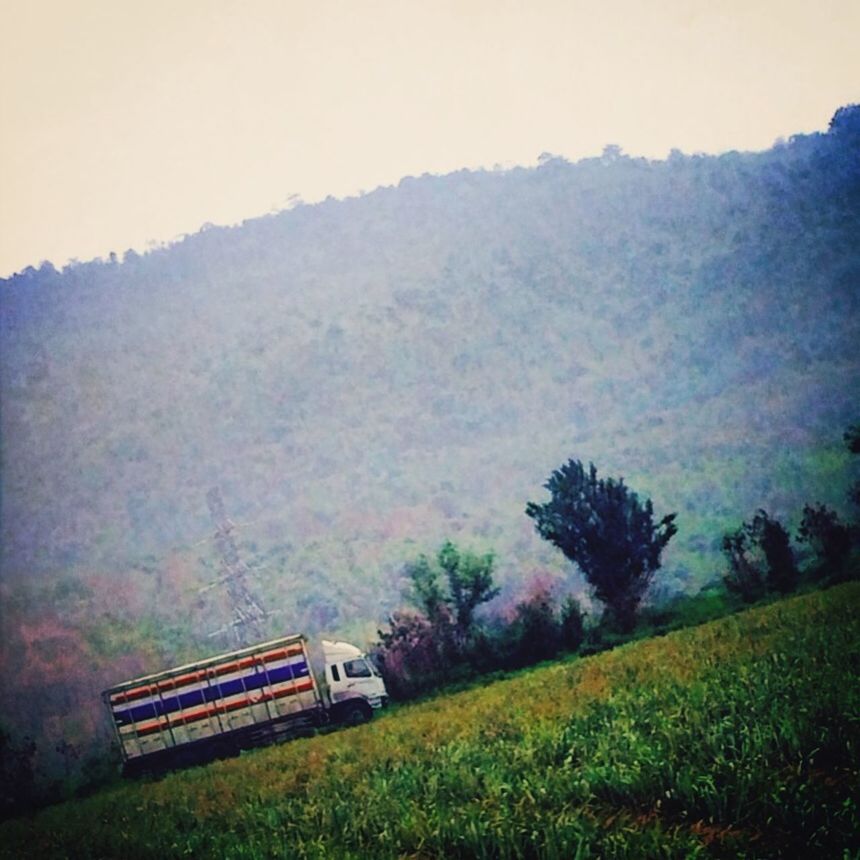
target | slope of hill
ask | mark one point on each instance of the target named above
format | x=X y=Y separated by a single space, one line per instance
x=737 y=738
x=365 y=378
x=413 y=363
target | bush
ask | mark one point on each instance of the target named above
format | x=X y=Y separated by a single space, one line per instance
x=572 y=624
x=535 y=631
x=411 y=655
x=18 y=790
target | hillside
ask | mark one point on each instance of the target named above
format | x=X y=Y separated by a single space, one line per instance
x=367 y=377
x=736 y=738
x=412 y=363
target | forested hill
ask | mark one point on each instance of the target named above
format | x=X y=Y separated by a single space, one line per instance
x=366 y=377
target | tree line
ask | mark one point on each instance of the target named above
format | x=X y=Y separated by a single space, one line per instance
x=760 y=556
x=613 y=537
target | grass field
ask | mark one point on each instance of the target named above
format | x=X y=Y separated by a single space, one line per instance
x=736 y=738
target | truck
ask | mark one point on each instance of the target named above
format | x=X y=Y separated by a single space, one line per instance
x=238 y=700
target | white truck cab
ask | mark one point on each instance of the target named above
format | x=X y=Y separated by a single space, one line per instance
x=355 y=686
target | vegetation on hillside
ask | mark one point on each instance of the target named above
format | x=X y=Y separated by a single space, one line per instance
x=368 y=378
x=603 y=528
x=737 y=738
x=406 y=366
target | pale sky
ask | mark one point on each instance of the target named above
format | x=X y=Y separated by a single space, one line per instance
x=124 y=122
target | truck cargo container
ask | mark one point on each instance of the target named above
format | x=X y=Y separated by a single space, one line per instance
x=238 y=700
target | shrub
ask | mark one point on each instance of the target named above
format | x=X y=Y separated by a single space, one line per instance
x=411 y=655
x=572 y=624
x=535 y=631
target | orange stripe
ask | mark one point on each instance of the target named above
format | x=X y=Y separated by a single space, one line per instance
x=223 y=708
x=202 y=674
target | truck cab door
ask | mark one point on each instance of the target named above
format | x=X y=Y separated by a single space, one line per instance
x=355 y=678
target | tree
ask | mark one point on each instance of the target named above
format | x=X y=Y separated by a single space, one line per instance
x=846 y=121
x=828 y=538
x=602 y=526
x=572 y=624
x=18 y=792
x=419 y=648
x=852 y=438
x=760 y=557
x=775 y=543
x=852 y=442
x=449 y=588
x=426 y=591
x=745 y=576
x=470 y=583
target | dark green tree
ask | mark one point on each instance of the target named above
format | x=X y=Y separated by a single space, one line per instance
x=572 y=624
x=18 y=792
x=776 y=546
x=852 y=438
x=603 y=527
x=827 y=536
x=745 y=576
x=760 y=558
x=536 y=630
x=852 y=442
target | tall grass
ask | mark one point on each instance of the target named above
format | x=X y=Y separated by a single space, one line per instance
x=736 y=738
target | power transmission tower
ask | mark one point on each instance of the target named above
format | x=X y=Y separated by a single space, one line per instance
x=248 y=614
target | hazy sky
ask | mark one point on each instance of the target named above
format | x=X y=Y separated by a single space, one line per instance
x=129 y=121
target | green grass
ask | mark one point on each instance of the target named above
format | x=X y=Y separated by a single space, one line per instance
x=736 y=738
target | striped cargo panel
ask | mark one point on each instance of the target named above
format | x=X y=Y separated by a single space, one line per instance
x=212 y=699
x=228 y=666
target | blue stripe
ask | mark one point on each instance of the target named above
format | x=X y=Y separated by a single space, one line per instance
x=212 y=693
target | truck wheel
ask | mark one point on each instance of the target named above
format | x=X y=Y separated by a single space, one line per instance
x=355 y=713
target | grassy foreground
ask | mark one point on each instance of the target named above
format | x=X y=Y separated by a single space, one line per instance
x=737 y=738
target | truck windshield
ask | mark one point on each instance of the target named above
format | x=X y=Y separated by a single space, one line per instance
x=356 y=669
